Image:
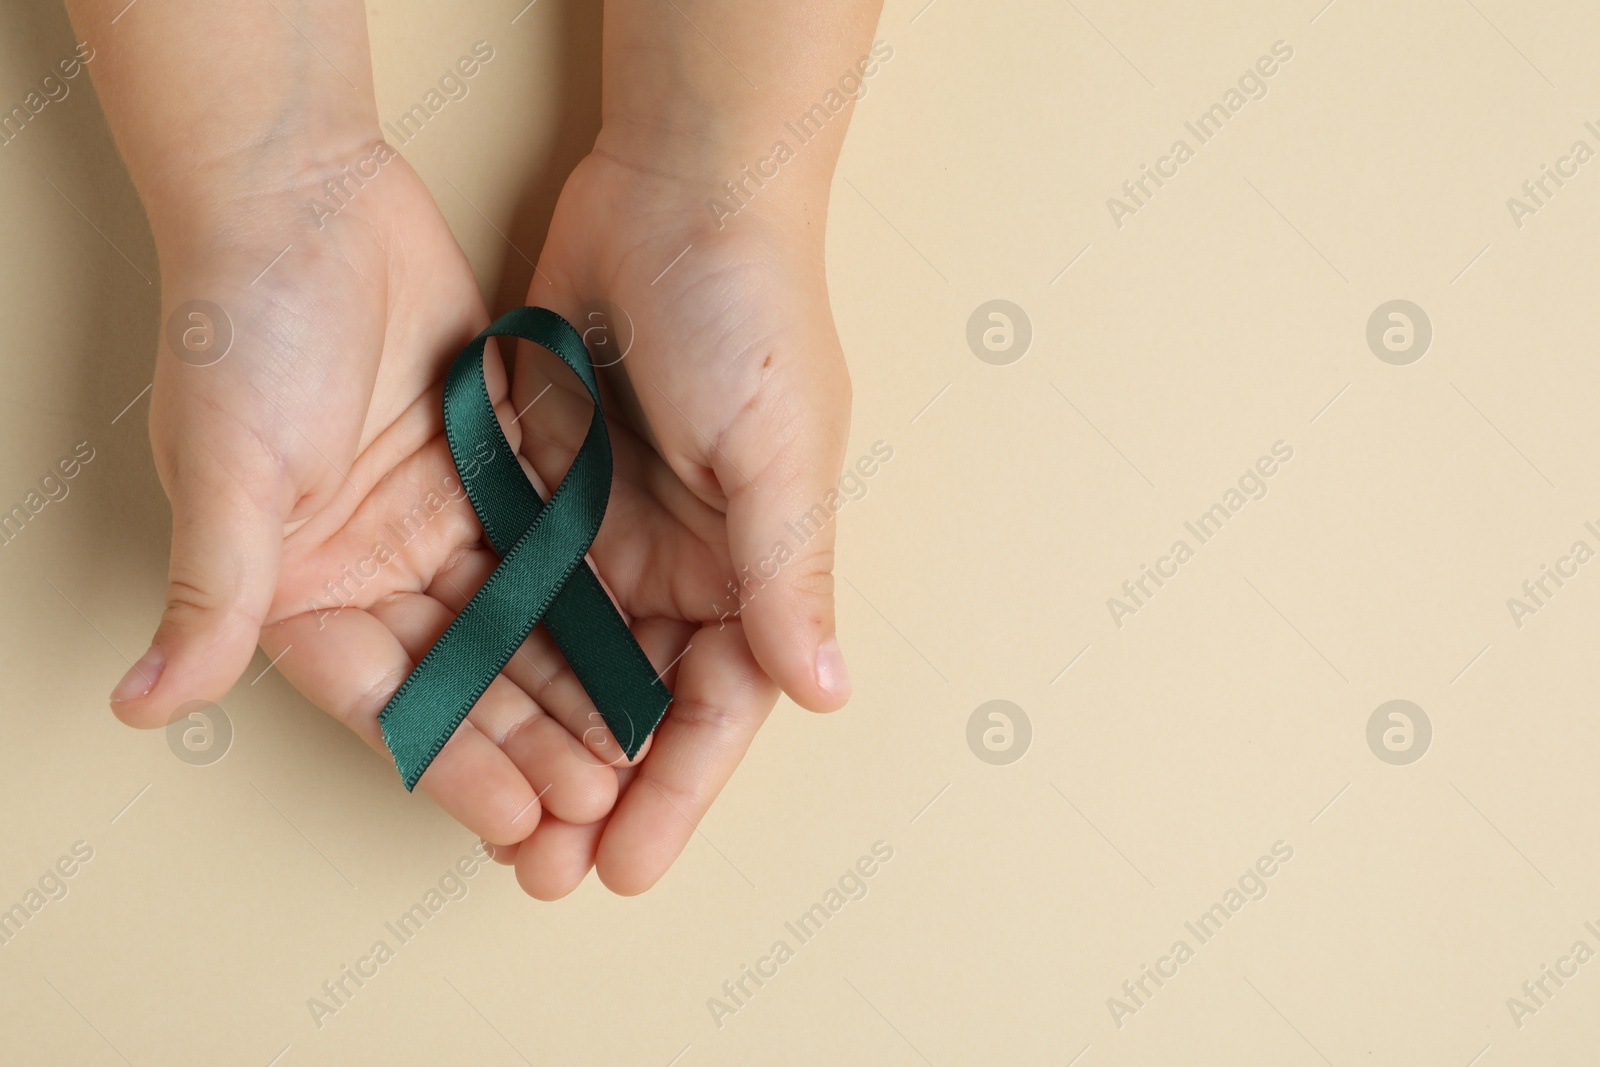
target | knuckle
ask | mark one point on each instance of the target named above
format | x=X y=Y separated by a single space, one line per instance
x=371 y=698
x=812 y=574
x=188 y=598
x=707 y=717
x=191 y=597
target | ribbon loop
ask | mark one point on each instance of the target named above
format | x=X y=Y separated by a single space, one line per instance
x=542 y=574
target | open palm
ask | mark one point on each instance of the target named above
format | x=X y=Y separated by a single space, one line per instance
x=315 y=503
x=727 y=412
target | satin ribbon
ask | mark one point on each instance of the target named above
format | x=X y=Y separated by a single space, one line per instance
x=542 y=573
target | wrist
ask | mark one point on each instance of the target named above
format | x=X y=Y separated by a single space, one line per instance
x=287 y=184
x=693 y=126
x=216 y=104
x=710 y=172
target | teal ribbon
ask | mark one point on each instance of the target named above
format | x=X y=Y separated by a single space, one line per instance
x=542 y=573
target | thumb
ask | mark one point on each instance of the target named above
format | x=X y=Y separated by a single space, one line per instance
x=227 y=536
x=779 y=463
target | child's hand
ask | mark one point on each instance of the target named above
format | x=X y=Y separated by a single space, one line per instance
x=736 y=367
x=734 y=388
x=308 y=473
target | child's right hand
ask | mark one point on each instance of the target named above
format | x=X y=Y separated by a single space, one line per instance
x=313 y=453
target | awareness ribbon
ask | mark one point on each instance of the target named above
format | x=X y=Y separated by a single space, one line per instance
x=541 y=575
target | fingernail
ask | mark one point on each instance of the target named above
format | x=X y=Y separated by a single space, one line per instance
x=141 y=677
x=832 y=674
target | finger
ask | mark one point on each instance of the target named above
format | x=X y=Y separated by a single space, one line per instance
x=572 y=788
x=349 y=664
x=557 y=858
x=505 y=855
x=779 y=462
x=228 y=506
x=722 y=698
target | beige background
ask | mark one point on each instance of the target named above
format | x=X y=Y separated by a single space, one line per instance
x=1228 y=714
